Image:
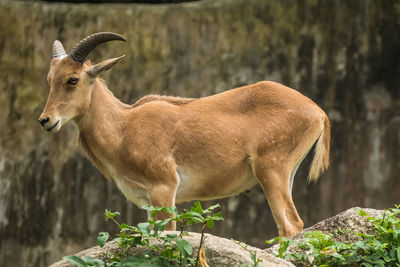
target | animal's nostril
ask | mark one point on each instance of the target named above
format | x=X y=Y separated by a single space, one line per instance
x=44 y=120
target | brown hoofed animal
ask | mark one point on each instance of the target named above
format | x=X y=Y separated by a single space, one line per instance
x=166 y=150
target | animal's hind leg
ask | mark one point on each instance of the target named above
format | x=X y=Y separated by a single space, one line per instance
x=276 y=185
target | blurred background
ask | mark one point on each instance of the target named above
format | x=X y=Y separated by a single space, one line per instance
x=342 y=54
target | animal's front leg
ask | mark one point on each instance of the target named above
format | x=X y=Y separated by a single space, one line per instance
x=163 y=196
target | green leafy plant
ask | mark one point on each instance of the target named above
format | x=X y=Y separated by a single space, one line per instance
x=173 y=251
x=253 y=254
x=380 y=248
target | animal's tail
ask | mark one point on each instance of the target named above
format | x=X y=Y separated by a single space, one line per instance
x=321 y=153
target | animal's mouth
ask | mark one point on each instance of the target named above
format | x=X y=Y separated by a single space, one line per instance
x=53 y=126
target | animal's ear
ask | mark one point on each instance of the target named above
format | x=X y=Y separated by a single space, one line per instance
x=97 y=69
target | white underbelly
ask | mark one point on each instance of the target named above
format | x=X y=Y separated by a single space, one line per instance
x=192 y=185
x=136 y=195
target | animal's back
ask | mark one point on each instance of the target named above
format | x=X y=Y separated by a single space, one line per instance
x=265 y=96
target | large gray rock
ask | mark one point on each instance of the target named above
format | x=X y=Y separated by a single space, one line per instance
x=349 y=220
x=219 y=252
x=343 y=226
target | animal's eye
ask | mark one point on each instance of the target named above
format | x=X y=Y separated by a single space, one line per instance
x=73 y=81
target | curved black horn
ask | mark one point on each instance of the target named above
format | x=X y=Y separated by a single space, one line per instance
x=58 y=49
x=84 y=47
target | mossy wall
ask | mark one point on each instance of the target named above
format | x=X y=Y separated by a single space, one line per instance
x=342 y=54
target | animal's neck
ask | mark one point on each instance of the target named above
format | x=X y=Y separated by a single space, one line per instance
x=100 y=130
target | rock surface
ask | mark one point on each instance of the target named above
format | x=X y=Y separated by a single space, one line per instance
x=349 y=222
x=225 y=252
x=219 y=252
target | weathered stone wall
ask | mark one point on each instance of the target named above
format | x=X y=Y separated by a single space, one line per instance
x=342 y=54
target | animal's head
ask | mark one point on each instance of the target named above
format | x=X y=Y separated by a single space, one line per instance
x=71 y=80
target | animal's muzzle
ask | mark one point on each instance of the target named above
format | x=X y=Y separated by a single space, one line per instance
x=44 y=120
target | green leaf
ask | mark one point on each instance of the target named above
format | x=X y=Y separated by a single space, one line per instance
x=150 y=209
x=398 y=253
x=184 y=247
x=197 y=206
x=366 y=264
x=387 y=258
x=154 y=210
x=374 y=259
x=143 y=260
x=362 y=213
x=93 y=262
x=253 y=256
x=338 y=256
x=217 y=216
x=382 y=229
x=160 y=225
x=171 y=236
x=274 y=240
x=137 y=241
x=110 y=215
x=210 y=224
x=211 y=208
x=145 y=228
x=283 y=246
x=124 y=226
x=170 y=210
x=75 y=260
x=360 y=245
x=102 y=238
x=193 y=214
